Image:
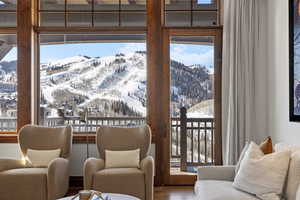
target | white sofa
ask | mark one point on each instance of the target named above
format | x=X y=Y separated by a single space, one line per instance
x=215 y=183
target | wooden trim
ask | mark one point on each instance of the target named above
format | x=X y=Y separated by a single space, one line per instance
x=9 y=139
x=24 y=42
x=203 y=31
x=187 y=179
x=218 y=98
x=78 y=138
x=8 y=30
x=8 y=132
x=102 y=30
x=157 y=87
x=166 y=143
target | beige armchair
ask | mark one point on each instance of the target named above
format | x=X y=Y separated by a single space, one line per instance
x=19 y=181
x=131 y=181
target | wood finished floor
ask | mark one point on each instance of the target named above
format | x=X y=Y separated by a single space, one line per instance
x=174 y=193
x=164 y=193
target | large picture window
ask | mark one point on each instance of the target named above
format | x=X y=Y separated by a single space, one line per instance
x=90 y=80
x=8 y=82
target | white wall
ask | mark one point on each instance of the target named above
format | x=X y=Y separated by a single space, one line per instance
x=280 y=128
x=77 y=159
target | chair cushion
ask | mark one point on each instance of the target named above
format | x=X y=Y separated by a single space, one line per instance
x=216 y=190
x=25 y=184
x=122 y=159
x=129 y=181
x=42 y=158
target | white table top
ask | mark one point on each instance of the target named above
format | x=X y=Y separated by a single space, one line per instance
x=111 y=195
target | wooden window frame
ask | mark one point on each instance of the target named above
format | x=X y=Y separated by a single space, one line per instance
x=78 y=137
x=158 y=78
x=216 y=33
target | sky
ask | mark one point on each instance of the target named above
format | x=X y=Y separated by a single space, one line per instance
x=184 y=53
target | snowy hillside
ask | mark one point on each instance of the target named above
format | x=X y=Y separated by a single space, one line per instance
x=114 y=85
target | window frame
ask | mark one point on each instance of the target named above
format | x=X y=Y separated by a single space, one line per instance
x=28 y=31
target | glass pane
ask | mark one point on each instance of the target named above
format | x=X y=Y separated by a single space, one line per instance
x=79 y=19
x=106 y=19
x=52 y=19
x=8 y=83
x=176 y=18
x=192 y=100
x=106 y=5
x=8 y=5
x=178 y=5
x=133 y=19
x=52 y=5
x=205 y=1
x=134 y=5
x=93 y=80
x=204 y=18
x=79 y=5
x=8 y=19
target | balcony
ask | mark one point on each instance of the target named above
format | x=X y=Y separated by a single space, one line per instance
x=192 y=139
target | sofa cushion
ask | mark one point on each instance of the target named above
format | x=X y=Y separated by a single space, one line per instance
x=129 y=181
x=25 y=184
x=293 y=177
x=216 y=190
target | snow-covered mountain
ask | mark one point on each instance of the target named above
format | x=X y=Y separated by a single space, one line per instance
x=114 y=85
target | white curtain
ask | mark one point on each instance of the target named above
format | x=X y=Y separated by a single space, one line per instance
x=244 y=75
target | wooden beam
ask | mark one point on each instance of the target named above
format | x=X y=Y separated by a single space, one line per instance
x=157 y=87
x=98 y=30
x=218 y=98
x=24 y=40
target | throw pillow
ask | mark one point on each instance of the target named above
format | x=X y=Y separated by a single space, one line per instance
x=260 y=174
x=237 y=166
x=42 y=158
x=122 y=159
x=266 y=146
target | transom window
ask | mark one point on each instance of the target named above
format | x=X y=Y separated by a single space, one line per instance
x=93 y=13
x=8 y=9
x=191 y=13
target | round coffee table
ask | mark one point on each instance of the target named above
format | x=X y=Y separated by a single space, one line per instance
x=112 y=196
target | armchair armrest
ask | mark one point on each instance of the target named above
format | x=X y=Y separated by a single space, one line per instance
x=58 y=178
x=6 y=164
x=147 y=166
x=225 y=173
x=91 y=166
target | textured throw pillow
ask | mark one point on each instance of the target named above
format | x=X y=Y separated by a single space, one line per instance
x=266 y=146
x=293 y=178
x=122 y=159
x=260 y=174
x=237 y=166
x=42 y=158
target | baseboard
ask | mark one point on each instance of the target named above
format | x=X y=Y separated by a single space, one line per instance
x=76 y=181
